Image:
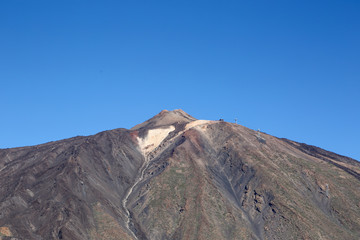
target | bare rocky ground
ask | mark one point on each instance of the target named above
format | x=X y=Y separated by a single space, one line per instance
x=175 y=177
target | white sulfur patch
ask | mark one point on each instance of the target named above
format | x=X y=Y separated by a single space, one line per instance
x=153 y=139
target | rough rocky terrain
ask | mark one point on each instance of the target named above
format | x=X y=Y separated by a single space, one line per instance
x=176 y=177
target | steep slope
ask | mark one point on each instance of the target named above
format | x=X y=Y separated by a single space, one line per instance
x=175 y=177
x=68 y=189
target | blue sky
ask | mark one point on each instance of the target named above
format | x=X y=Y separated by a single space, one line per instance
x=290 y=68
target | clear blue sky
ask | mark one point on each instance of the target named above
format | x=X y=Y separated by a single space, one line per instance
x=290 y=68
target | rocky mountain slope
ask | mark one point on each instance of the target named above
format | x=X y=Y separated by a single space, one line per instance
x=175 y=177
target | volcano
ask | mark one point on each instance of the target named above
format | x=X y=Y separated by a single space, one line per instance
x=176 y=177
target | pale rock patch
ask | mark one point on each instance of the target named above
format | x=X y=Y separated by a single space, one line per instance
x=5 y=231
x=153 y=139
x=31 y=194
x=197 y=123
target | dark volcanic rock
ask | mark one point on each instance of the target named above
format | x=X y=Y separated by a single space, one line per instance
x=49 y=191
x=175 y=177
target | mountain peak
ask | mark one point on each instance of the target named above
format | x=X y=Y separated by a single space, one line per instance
x=166 y=118
x=217 y=180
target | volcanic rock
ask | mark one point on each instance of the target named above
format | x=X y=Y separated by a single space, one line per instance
x=176 y=177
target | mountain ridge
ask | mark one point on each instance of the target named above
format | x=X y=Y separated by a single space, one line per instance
x=176 y=177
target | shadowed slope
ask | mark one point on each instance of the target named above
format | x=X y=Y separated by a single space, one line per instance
x=57 y=190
